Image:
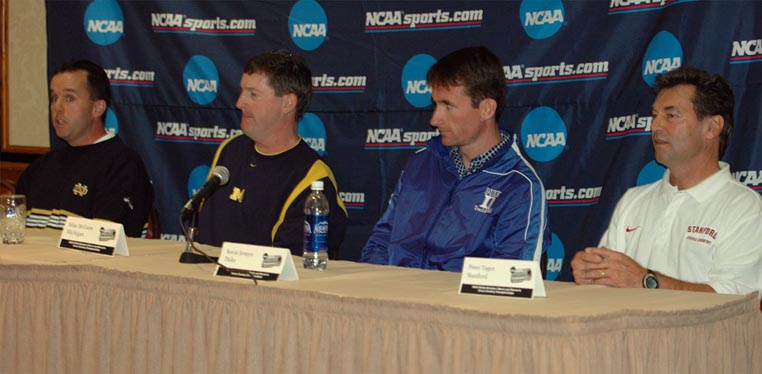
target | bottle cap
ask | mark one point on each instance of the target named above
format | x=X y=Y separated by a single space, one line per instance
x=317 y=185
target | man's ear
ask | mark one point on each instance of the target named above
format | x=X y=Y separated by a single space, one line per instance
x=99 y=108
x=487 y=108
x=715 y=125
x=289 y=102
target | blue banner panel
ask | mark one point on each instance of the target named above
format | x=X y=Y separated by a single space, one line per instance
x=578 y=75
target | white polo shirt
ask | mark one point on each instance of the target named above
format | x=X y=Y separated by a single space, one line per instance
x=710 y=233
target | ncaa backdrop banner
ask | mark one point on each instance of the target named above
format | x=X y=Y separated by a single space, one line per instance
x=578 y=76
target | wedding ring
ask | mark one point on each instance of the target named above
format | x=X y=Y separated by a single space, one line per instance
x=603 y=273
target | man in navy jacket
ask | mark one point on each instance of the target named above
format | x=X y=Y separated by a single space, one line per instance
x=470 y=192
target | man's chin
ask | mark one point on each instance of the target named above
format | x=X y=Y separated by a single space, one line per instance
x=246 y=124
x=60 y=133
x=249 y=132
x=661 y=159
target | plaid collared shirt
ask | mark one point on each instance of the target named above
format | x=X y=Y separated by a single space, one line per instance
x=478 y=161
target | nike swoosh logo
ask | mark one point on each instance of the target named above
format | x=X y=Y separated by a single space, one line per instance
x=629 y=229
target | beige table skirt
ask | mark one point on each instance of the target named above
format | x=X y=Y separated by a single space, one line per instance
x=64 y=311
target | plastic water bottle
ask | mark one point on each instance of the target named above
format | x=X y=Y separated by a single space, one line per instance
x=316 y=229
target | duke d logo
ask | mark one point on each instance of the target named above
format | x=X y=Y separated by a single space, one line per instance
x=490 y=195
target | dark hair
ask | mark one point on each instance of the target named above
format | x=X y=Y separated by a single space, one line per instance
x=97 y=80
x=477 y=69
x=713 y=96
x=287 y=73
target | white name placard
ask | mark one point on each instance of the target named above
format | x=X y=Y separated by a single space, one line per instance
x=500 y=277
x=255 y=261
x=89 y=235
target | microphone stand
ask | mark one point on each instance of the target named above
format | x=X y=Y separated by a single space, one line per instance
x=189 y=256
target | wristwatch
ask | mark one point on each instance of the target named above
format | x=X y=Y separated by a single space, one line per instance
x=649 y=280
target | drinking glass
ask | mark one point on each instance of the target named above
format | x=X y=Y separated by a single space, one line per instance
x=13 y=218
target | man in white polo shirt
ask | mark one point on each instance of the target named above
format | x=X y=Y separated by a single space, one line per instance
x=697 y=228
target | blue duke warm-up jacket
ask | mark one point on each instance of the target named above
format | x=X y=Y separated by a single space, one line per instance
x=435 y=220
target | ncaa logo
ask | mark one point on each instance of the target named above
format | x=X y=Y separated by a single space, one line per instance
x=104 y=22
x=556 y=253
x=307 y=24
x=541 y=19
x=650 y=173
x=417 y=92
x=311 y=129
x=197 y=179
x=200 y=78
x=664 y=53
x=543 y=133
x=112 y=123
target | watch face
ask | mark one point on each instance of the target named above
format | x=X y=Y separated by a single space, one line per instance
x=651 y=281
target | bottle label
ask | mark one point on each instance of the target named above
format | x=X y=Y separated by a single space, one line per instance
x=316 y=233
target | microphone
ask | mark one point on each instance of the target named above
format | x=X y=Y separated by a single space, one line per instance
x=220 y=177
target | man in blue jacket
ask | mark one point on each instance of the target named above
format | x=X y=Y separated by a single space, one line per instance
x=470 y=192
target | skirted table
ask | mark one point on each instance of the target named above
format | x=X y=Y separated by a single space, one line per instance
x=67 y=311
